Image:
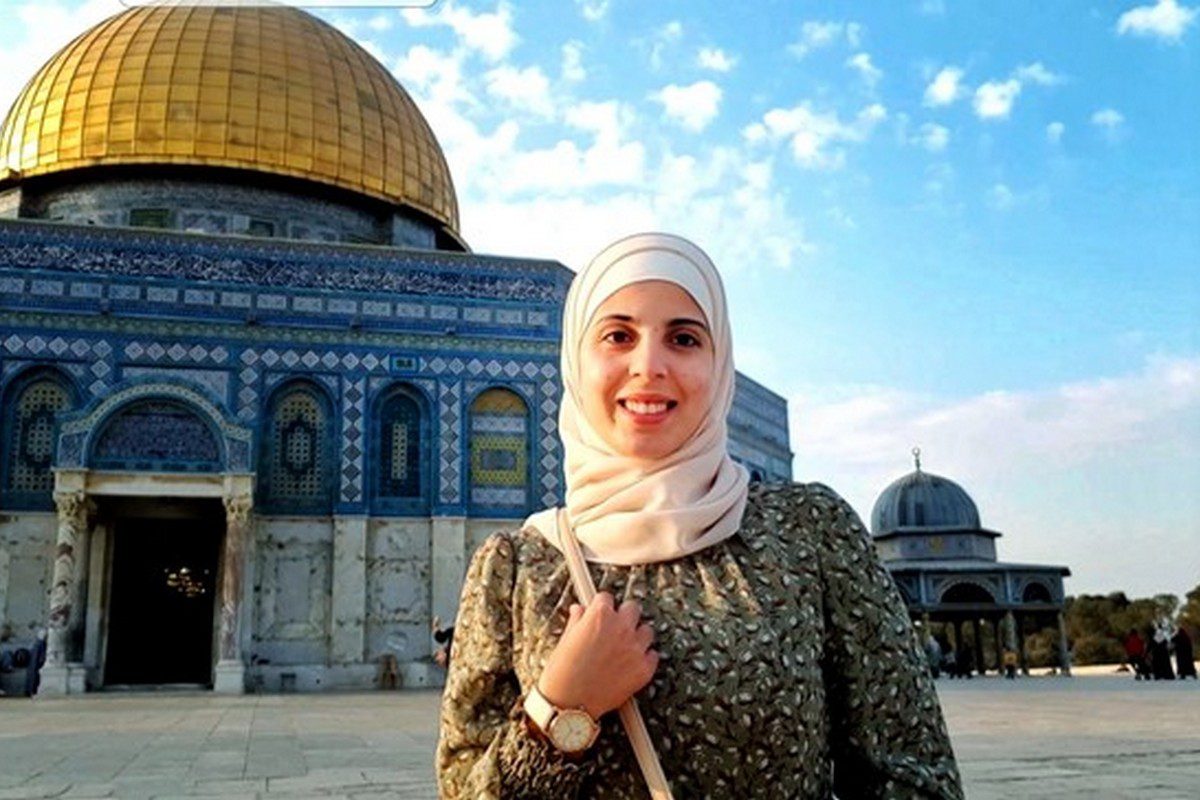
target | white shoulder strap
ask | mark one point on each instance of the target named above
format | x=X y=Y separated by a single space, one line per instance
x=631 y=717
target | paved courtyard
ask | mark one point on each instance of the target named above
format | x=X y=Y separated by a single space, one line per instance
x=1093 y=737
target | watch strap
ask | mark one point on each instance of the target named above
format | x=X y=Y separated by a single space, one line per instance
x=539 y=710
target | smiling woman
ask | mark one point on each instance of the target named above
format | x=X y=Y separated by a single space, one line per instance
x=768 y=650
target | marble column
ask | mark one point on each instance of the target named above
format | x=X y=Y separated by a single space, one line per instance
x=1020 y=629
x=229 y=676
x=347 y=640
x=60 y=675
x=1000 y=646
x=1064 y=654
x=976 y=629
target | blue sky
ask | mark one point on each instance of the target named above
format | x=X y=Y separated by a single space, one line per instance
x=968 y=226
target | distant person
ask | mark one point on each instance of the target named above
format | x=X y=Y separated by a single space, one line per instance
x=1160 y=655
x=1185 y=655
x=1135 y=654
x=445 y=638
x=950 y=663
x=1010 y=663
x=965 y=662
x=37 y=658
x=933 y=655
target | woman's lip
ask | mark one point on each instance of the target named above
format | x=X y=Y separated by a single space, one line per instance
x=647 y=418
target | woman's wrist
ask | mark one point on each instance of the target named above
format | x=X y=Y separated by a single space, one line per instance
x=562 y=697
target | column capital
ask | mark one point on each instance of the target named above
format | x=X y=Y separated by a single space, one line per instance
x=237 y=508
x=72 y=503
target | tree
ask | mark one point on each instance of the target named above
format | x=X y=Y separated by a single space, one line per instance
x=1189 y=615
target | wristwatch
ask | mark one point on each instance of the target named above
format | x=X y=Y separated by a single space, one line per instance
x=571 y=730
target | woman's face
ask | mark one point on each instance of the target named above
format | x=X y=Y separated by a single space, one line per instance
x=646 y=369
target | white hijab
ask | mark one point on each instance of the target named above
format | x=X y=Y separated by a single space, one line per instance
x=630 y=511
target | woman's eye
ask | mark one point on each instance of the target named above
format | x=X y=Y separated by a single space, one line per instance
x=685 y=339
x=617 y=337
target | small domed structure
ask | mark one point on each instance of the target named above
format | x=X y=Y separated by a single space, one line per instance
x=928 y=534
x=923 y=500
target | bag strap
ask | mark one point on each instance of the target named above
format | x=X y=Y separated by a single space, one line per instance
x=631 y=716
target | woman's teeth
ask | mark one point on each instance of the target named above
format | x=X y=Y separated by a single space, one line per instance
x=645 y=408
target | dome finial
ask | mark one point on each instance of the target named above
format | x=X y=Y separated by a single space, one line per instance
x=916 y=451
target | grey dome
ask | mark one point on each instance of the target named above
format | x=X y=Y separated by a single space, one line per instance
x=921 y=500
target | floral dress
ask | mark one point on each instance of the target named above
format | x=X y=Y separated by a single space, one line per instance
x=789 y=669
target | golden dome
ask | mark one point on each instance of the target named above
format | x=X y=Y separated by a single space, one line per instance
x=268 y=89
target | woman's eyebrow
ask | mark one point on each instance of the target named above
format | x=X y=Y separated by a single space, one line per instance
x=675 y=323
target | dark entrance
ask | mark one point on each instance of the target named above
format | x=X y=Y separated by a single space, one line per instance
x=164 y=580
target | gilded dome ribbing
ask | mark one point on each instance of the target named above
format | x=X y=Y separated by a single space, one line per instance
x=267 y=89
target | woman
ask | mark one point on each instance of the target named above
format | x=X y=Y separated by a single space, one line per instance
x=770 y=652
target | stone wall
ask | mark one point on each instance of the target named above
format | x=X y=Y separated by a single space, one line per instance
x=223 y=208
x=398 y=575
x=26 y=559
x=292 y=590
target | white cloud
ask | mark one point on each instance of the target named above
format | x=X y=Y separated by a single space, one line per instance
x=945 y=88
x=1110 y=121
x=693 y=107
x=810 y=134
x=716 y=59
x=816 y=35
x=593 y=10
x=380 y=22
x=572 y=62
x=661 y=40
x=526 y=89
x=933 y=137
x=1054 y=132
x=1166 y=20
x=861 y=62
x=436 y=75
x=1000 y=197
x=1037 y=73
x=43 y=28
x=994 y=99
x=489 y=33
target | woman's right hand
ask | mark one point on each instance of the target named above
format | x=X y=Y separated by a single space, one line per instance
x=602 y=659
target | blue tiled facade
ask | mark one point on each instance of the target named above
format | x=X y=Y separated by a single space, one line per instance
x=231 y=320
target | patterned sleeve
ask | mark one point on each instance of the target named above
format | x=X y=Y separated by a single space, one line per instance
x=888 y=738
x=485 y=750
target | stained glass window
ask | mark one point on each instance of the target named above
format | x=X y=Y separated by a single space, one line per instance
x=31 y=446
x=297 y=457
x=499 y=450
x=400 y=448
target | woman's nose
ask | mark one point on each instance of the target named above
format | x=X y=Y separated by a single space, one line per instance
x=649 y=359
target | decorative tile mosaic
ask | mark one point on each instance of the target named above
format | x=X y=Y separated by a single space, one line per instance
x=353 y=448
x=450 y=457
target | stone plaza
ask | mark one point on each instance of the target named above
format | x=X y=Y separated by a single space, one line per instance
x=1042 y=737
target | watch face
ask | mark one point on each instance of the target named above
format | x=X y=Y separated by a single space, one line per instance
x=571 y=730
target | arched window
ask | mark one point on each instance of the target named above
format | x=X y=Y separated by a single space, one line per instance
x=29 y=440
x=295 y=468
x=401 y=441
x=1035 y=592
x=967 y=593
x=500 y=452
